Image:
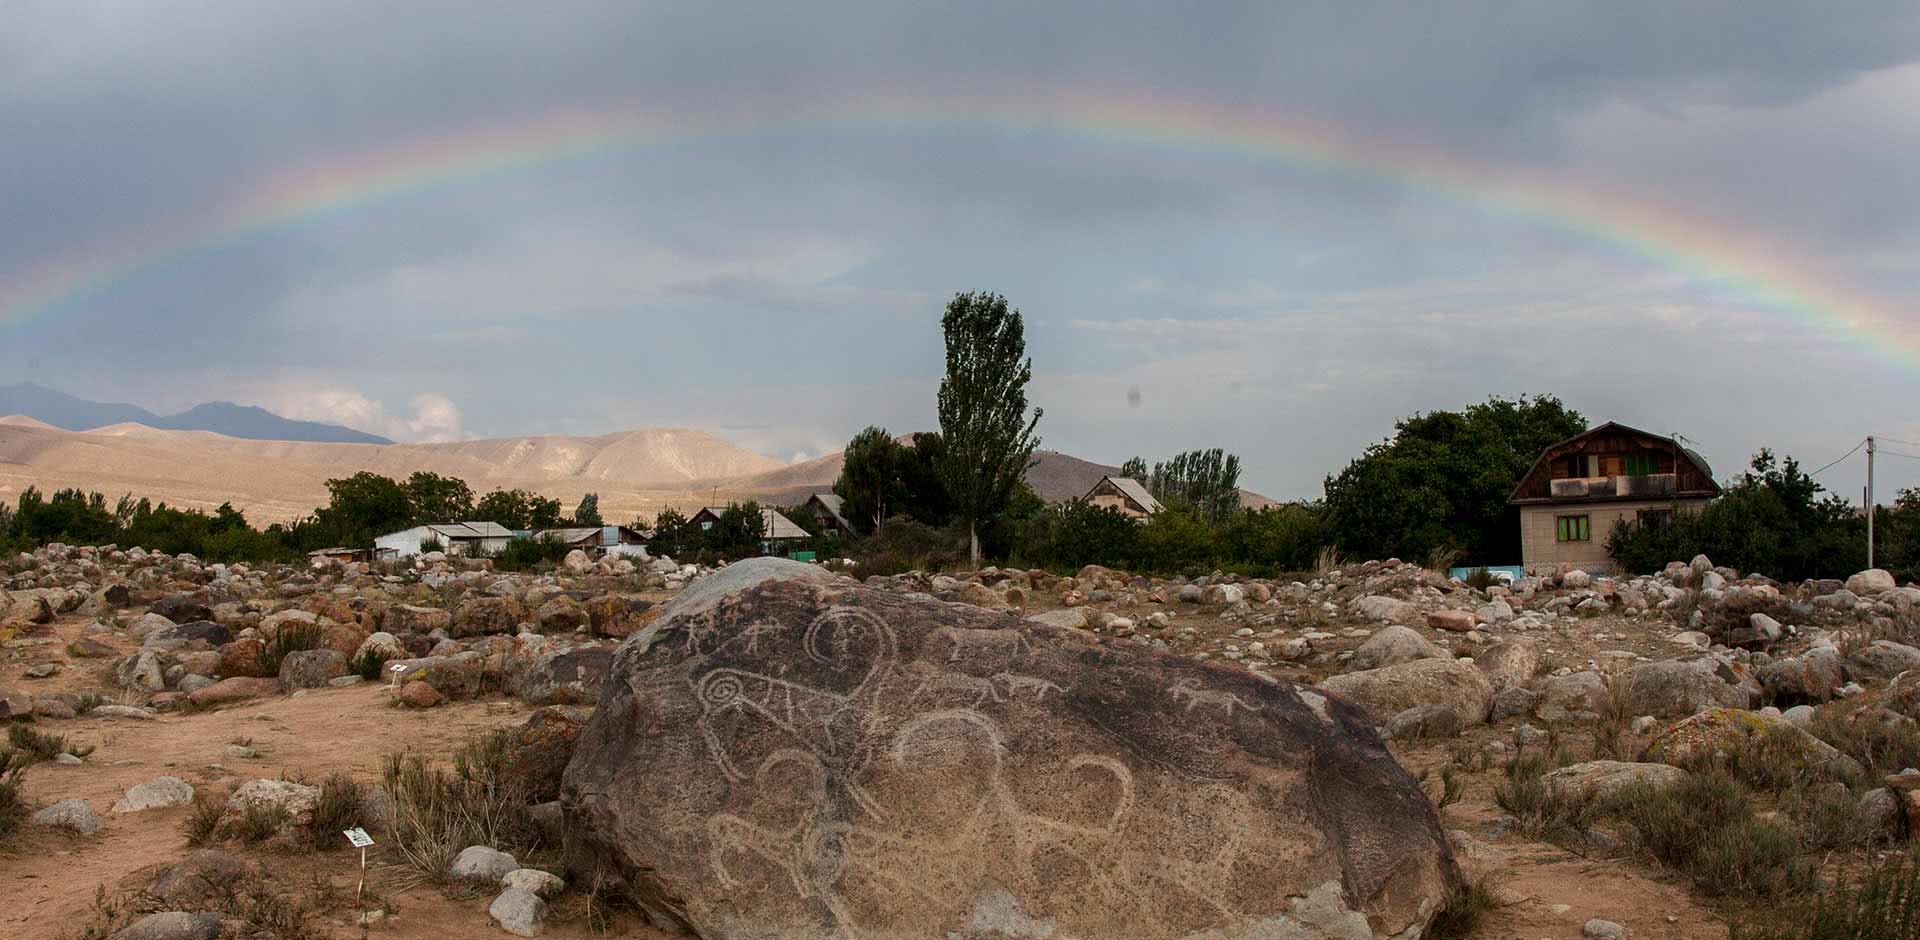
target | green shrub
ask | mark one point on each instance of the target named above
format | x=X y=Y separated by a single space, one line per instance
x=202 y=825
x=1882 y=903
x=37 y=747
x=369 y=665
x=901 y=544
x=292 y=637
x=13 y=805
x=1704 y=828
x=338 y=808
x=526 y=554
x=1461 y=916
x=1881 y=747
x=1539 y=809
x=433 y=812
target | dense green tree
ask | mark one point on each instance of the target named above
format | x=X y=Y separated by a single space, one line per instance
x=588 y=512
x=925 y=496
x=1771 y=519
x=363 y=506
x=1443 y=480
x=740 y=532
x=434 y=499
x=671 y=534
x=1176 y=540
x=1074 y=532
x=989 y=440
x=1136 y=469
x=506 y=507
x=1207 y=479
x=870 y=485
x=544 y=513
x=1285 y=537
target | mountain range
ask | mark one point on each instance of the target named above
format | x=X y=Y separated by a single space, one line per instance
x=636 y=473
x=221 y=417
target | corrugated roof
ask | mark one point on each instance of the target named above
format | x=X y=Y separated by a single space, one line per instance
x=777 y=525
x=1136 y=492
x=472 y=530
x=836 y=506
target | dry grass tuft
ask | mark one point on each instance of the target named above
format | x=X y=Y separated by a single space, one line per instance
x=435 y=812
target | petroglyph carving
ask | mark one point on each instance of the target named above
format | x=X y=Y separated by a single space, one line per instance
x=1019 y=683
x=1189 y=691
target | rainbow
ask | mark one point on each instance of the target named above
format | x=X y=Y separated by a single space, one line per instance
x=1696 y=248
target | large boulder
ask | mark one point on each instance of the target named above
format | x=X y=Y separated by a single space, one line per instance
x=1871 y=581
x=234 y=689
x=1813 y=676
x=1882 y=659
x=1903 y=694
x=460 y=675
x=310 y=669
x=1391 y=646
x=181 y=608
x=566 y=677
x=1385 y=692
x=1676 y=688
x=537 y=751
x=1511 y=662
x=484 y=615
x=1731 y=732
x=1381 y=607
x=784 y=754
x=411 y=618
x=1605 y=778
x=617 y=615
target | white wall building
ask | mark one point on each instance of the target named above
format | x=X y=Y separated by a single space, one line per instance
x=456 y=538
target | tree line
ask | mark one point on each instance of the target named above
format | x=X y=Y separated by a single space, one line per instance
x=1435 y=491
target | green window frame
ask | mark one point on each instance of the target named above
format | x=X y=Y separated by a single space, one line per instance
x=1573 y=529
x=1641 y=465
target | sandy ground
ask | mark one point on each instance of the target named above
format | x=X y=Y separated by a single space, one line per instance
x=1548 y=891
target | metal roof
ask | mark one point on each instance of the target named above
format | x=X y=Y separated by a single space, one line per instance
x=836 y=506
x=777 y=525
x=1133 y=491
x=472 y=530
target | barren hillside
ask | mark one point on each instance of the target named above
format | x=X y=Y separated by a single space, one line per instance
x=635 y=472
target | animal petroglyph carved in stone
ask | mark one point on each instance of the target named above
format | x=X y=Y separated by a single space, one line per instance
x=1189 y=690
x=1019 y=683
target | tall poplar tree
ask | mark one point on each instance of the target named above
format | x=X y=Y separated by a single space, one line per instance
x=989 y=440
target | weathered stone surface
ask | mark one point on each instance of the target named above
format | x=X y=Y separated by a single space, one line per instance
x=562 y=614
x=540 y=747
x=72 y=815
x=484 y=615
x=617 y=615
x=409 y=618
x=1510 y=663
x=567 y=677
x=1066 y=618
x=418 y=694
x=1903 y=693
x=1676 y=688
x=1815 y=676
x=1457 y=621
x=1882 y=659
x=1572 y=694
x=291 y=802
x=1391 y=646
x=212 y=634
x=158 y=793
x=460 y=675
x=1422 y=722
x=1733 y=731
x=482 y=863
x=1870 y=581
x=518 y=911
x=544 y=884
x=1391 y=609
x=196 y=880
x=236 y=689
x=1604 y=778
x=172 y=925
x=181 y=608
x=797 y=757
x=245 y=657
x=310 y=669
x=1385 y=692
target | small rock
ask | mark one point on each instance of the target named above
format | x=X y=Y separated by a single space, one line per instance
x=482 y=862
x=539 y=882
x=519 y=912
x=172 y=925
x=1597 y=929
x=158 y=793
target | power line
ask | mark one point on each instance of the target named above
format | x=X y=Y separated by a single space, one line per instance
x=1895 y=440
x=1895 y=453
x=1855 y=450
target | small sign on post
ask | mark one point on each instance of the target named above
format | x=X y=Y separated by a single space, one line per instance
x=396 y=669
x=360 y=840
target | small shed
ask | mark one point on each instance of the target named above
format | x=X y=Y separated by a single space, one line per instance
x=601 y=540
x=829 y=510
x=339 y=554
x=1125 y=494
x=779 y=529
x=456 y=538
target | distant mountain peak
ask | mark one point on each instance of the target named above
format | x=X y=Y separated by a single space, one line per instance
x=252 y=422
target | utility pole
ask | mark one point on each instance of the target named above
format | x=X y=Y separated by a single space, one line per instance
x=1869 y=501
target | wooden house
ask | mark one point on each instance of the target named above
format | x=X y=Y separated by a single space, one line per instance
x=1580 y=488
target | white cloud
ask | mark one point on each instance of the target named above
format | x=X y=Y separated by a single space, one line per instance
x=432 y=418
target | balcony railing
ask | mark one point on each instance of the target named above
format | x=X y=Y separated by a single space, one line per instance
x=1648 y=486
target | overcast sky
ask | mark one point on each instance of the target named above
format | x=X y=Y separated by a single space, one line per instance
x=781 y=284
